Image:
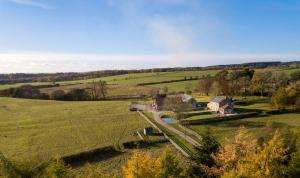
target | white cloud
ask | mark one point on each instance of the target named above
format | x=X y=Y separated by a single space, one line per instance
x=52 y=62
x=169 y=36
x=33 y=3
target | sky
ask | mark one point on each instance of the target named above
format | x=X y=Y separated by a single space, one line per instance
x=87 y=35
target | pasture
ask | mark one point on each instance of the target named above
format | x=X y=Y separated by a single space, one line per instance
x=43 y=129
x=258 y=126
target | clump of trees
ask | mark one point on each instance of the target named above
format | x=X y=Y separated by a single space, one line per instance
x=247 y=82
x=95 y=91
x=247 y=157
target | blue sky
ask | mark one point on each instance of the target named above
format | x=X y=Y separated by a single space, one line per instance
x=84 y=35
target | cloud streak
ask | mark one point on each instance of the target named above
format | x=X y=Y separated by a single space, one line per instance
x=32 y=3
x=53 y=62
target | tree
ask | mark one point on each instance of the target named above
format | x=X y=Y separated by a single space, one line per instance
x=141 y=165
x=205 y=84
x=278 y=79
x=170 y=165
x=279 y=99
x=270 y=160
x=293 y=91
x=221 y=79
x=227 y=157
x=261 y=81
x=176 y=104
x=58 y=95
x=98 y=90
x=209 y=146
x=51 y=79
x=79 y=95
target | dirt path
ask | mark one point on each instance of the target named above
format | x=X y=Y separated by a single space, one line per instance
x=157 y=118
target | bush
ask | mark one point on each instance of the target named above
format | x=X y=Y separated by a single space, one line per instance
x=58 y=95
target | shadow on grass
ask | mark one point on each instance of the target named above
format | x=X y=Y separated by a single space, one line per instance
x=244 y=110
x=249 y=124
x=101 y=154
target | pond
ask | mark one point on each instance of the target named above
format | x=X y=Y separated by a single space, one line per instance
x=169 y=120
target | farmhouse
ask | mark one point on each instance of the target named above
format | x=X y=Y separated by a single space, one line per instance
x=221 y=104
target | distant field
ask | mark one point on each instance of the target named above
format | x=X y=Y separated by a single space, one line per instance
x=129 y=79
x=35 y=128
x=227 y=129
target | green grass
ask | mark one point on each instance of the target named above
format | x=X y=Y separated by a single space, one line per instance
x=128 y=79
x=202 y=114
x=178 y=86
x=227 y=129
x=186 y=146
x=36 y=128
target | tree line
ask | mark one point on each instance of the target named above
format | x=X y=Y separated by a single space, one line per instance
x=94 y=91
x=69 y=76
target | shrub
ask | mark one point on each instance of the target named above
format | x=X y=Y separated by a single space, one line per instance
x=58 y=95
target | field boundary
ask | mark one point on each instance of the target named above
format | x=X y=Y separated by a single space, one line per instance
x=166 y=136
x=219 y=119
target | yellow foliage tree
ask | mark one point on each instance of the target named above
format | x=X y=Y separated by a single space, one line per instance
x=270 y=160
x=141 y=165
x=228 y=156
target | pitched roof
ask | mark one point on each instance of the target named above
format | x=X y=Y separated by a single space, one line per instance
x=186 y=98
x=218 y=99
x=226 y=106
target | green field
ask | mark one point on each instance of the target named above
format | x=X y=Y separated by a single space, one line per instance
x=129 y=79
x=43 y=129
x=257 y=126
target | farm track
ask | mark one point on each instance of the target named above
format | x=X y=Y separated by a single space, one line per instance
x=157 y=118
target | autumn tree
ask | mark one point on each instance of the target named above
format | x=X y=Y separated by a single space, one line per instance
x=170 y=165
x=142 y=165
x=279 y=99
x=261 y=81
x=229 y=155
x=270 y=160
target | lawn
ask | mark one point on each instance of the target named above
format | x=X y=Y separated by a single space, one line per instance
x=43 y=129
x=257 y=126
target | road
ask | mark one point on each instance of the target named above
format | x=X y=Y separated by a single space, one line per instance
x=157 y=118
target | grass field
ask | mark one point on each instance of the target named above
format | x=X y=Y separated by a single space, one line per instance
x=129 y=79
x=43 y=129
x=137 y=78
x=227 y=129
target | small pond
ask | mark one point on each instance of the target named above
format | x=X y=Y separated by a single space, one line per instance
x=169 y=120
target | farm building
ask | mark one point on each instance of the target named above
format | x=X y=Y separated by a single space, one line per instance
x=162 y=101
x=190 y=100
x=159 y=102
x=221 y=104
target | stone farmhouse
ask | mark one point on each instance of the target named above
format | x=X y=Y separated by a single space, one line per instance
x=221 y=104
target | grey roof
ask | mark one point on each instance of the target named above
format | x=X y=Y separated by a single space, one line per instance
x=218 y=99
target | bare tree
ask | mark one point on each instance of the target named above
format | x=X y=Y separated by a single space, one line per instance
x=205 y=85
x=98 y=90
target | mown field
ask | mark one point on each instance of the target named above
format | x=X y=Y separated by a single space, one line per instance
x=258 y=126
x=42 y=129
